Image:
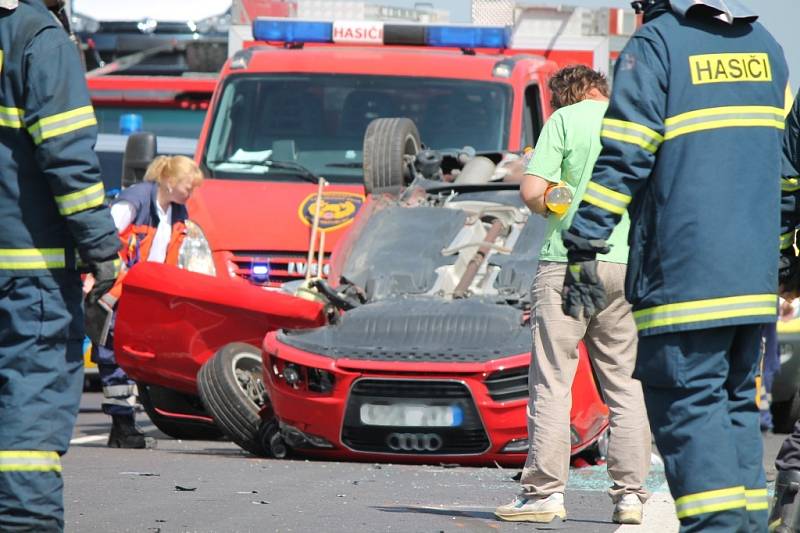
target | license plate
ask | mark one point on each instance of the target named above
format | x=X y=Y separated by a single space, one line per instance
x=411 y=415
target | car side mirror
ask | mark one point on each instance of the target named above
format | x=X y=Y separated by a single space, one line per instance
x=140 y=151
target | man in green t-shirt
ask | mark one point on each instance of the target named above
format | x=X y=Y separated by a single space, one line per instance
x=565 y=154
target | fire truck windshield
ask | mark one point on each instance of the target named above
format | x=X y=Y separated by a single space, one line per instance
x=319 y=120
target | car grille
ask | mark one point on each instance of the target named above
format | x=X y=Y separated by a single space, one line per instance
x=510 y=384
x=283 y=266
x=468 y=438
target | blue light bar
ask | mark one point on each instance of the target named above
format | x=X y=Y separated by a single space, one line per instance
x=292 y=31
x=469 y=36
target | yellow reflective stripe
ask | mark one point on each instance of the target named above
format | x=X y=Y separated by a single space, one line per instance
x=632 y=133
x=87 y=198
x=605 y=198
x=788 y=100
x=62 y=123
x=724 y=110
x=29 y=461
x=11 y=117
x=757 y=499
x=32 y=258
x=787 y=240
x=790 y=184
x=706 y=310
x=723 y=117
x=711 y=501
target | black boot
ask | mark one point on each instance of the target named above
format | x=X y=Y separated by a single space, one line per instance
x=125 y=434
x=785 y=514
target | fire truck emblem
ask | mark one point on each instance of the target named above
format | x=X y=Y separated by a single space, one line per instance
x=337 y=209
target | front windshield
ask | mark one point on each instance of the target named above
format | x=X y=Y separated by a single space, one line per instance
x=317 y=121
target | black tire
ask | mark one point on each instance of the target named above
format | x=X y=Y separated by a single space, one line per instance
x=231 y=387
x=387 y=143
x=785 y=414
x=155 y=398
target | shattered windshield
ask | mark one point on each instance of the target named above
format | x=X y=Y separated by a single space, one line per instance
x=316 y=122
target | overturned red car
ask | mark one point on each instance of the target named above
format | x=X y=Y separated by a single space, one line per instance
x=418 y=346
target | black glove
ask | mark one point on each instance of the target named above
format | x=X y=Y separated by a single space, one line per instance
x=582 y=285
x=105 y=273
x=788 y=272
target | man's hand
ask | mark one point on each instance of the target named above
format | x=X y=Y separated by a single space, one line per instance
x=582 y=285
x=583 y=288
x=105 y=273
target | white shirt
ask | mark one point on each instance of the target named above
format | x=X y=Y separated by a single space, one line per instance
x=123 y=214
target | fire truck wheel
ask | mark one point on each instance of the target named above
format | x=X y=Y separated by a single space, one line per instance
x=232 y=389
x=390 y=145
x=177 y=414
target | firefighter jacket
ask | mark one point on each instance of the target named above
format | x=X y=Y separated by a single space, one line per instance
x=790 y=183
x=691 y=148
x=52 y=213
x=137 y=238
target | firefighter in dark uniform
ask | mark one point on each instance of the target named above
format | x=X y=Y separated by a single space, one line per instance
x=53 y=223
x=785 y=514
x=691 y=149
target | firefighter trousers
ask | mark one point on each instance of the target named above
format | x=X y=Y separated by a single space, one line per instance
x=41 y=378
x=699 y=388
x=119 y=391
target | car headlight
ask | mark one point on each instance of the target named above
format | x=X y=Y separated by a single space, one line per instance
x=303 y=377
x=195 y=253
x=217 y=23
x=83 y=24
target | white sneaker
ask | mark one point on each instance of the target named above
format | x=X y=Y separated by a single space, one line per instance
x=628 y=510
x=524 y=509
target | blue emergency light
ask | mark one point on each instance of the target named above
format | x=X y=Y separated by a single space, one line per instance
x=292 y=31
x=260 y=271
x=455 y=36
x=468 y=36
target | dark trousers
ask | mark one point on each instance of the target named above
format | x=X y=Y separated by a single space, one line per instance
x=699 y=388
x=118 y=388
x=41 y=377
x=789 y=456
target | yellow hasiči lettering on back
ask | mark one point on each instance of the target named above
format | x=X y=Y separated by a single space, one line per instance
x=730 y=68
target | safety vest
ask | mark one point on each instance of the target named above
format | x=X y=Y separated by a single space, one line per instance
x=691 y=148
x=52 y=211
x=137 y=238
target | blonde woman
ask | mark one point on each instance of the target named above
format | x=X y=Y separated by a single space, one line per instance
x=150 y=218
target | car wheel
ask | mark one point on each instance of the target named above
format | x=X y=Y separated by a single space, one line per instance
x=232 y=389
x=785 y=414
x=179 y=415
x=389 y=145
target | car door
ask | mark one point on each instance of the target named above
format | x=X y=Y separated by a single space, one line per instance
x=171 y=321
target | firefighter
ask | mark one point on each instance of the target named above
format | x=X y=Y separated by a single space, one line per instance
x=691 y=149
x=53 y=222
x=785 y=514
x=150 y=217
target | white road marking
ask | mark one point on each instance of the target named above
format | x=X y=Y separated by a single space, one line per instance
x=89 y=438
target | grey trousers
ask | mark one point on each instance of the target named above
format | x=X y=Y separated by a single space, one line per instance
x=610 y=339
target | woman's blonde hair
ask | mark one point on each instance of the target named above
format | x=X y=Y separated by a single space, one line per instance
x=173 y=169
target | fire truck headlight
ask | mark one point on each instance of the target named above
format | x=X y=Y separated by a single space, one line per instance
x=195 y=253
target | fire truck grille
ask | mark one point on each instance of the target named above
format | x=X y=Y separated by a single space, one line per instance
x=466 y=436
x=273 y=269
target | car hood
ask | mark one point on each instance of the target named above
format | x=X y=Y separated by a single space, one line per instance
x=161 y=10
x=419 y=330
x=233 y=219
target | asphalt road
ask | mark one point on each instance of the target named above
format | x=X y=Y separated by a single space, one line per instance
x=213 y=486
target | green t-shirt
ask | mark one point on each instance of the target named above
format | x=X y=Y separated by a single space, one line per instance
x=566 y=151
